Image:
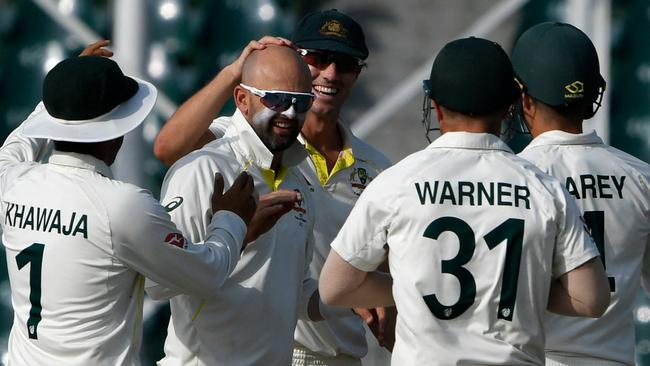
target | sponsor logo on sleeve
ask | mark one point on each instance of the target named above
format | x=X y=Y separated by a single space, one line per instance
x=173 y=204
x=175 y=239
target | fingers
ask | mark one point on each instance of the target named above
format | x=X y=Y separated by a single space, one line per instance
x=365 y=314
x=96 y=49
x=280 y=41
x=218 y=185
x=280 y=197
x=243 y=183
x=381 y=324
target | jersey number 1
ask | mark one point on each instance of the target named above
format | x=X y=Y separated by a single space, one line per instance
x=33 y=254
x=595 y=221
x=511 y=230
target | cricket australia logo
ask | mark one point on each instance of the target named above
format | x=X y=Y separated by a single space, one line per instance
x=359 y=179
x=299 y=210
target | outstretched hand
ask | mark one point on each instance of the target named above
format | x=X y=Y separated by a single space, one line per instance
x=239 y=198
x=97 y=49
x=271 y=207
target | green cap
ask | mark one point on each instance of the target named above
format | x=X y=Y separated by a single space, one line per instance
x=473 y=76
x=331 y=30
x=557 y=64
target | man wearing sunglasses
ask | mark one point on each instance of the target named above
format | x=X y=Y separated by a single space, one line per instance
x=252 y=320
x=338 y=166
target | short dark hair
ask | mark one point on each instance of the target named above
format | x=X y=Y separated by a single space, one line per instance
x=74 y=147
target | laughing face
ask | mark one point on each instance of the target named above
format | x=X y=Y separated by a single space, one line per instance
x=277 y=130
x=331 y=88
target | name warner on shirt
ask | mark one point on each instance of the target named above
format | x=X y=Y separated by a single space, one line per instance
x=473 y=193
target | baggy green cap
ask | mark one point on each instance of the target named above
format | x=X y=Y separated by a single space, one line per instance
x=331 y=30
x=557 y=64
x=473 y=76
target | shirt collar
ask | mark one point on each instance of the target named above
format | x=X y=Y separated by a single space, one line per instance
x=557 y=137
x=249 y=144
x=469 y=140
x=81 y=161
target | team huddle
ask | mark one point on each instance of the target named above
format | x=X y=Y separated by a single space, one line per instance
x=280 y=238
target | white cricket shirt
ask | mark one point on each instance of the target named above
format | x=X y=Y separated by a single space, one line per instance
x=334 y=194
x=252 y=320
x=77 y=244
x=612 y=189
x=475 y=236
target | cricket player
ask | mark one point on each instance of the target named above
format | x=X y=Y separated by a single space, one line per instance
x=78 y=242
x=338 y=167
x=481 y=241
x=252 y=321
x=558 y=67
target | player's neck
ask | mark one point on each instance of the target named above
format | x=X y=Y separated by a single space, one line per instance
x=541 y=126
x=322 y=133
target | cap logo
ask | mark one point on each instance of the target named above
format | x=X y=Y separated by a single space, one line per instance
x=333 y=28
x=575 y=89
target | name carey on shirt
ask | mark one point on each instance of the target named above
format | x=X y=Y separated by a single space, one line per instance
x=473 y=193
x=596 y=186
x=46 y=220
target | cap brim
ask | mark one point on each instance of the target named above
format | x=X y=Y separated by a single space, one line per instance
x=329 y=45
x=118 y=122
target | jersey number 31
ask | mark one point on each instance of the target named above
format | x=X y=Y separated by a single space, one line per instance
x=511 y=230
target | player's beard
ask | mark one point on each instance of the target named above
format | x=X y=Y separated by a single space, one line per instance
x=264 y=122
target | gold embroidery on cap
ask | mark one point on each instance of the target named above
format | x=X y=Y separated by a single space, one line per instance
x=575 y=89
x=333 y=28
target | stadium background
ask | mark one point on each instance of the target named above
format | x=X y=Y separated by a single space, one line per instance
x=181 y=44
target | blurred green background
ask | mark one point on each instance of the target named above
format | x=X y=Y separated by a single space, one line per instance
x=189 y=41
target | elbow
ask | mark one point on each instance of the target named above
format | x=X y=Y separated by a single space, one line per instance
x=329 y=296
x=162 y=152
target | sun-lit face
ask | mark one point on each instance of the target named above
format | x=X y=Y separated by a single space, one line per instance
x=277 y=130
x=331 y=87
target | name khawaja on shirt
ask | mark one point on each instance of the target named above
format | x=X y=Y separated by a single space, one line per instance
x=45 y=220
x=473 y=194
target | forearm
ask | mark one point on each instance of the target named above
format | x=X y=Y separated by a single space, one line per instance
x=374 y=291
x=583 y=291
x=186 y=128
x=560 y=302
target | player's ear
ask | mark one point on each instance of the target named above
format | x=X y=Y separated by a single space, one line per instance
x=241 y=99
x=529 y=107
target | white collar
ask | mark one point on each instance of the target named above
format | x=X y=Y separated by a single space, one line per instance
x=470 y=140
x=558 y=137
x=81 y=161
x=249 y=144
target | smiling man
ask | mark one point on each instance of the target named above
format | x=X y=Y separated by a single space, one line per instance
x=252 y=321
x=338 y=166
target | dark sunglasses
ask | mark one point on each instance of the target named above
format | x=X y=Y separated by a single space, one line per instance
x=321 y=59
x=280 y=100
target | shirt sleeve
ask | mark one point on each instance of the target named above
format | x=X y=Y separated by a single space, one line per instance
x=573 y=244
x=363 y=237
x=186 y=193
x=18 y=148
x=145 y=239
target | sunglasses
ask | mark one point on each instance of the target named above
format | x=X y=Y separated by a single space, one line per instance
x=322 y=59
x=280 y=101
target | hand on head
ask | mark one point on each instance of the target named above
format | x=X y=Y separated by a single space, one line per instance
x=97 y=49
